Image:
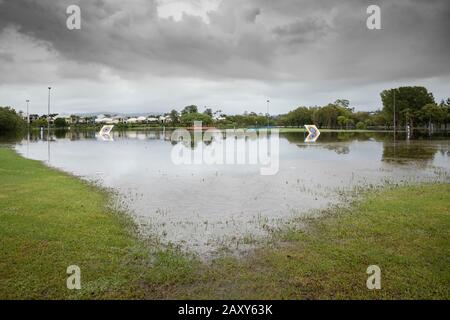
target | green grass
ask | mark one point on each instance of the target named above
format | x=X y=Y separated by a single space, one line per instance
x=50 y=220
x=405 y=231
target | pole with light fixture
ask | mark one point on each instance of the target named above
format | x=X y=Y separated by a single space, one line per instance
x=28 y=112
x=48 y=111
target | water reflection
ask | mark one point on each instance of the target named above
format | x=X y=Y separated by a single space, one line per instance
x=207 y=207
x=418 y=153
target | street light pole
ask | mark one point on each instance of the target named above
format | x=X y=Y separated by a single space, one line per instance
x=394 y=114
x=268 y=101
x=28 y=113
x=48 y=111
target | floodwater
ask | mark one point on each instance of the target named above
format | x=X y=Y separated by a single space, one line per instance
x=210 y=208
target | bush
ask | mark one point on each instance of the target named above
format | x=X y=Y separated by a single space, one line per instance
x=40 y=122
x=10 y=121
x=60 y=123
x=189 y=118
x=360 y=125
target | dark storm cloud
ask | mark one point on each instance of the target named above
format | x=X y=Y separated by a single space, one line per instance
x=308 y=51
x=255 y=39
x=302 y=31
x=251 y=14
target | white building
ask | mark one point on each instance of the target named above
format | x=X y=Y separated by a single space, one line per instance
x=105 y=121
x=165 y=119
x=65 y=117
x=119 y=119
x=132 y=120
x=152 y=120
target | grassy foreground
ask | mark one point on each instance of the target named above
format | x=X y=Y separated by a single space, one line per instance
x=50 y=220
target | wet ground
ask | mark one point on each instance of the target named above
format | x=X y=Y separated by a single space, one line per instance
x=206 y=208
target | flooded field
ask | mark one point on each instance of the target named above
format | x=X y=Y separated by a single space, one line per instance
x=211 y=208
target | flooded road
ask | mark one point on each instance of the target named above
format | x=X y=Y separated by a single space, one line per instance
x=211 y=208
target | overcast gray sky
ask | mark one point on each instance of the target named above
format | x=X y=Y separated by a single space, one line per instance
x=233 y=55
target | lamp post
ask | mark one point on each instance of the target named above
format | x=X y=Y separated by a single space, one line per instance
x=394 y=114
x=48 y=111
x=28 y=113
x=28 y=128
x=268 y=101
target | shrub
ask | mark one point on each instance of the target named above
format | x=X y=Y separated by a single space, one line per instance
x=10 y=121
x=360 y=125
x=40 y=122
x=189 y=118
x=60 y=123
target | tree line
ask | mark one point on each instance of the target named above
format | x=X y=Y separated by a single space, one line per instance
x=402 y=107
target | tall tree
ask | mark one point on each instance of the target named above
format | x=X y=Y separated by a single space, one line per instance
x=208 y=112
x=432 y=114
x=412 y=98
x=174 y=116
x=327 y=115
x=189 y=109
x=299 y=117
x=343 y=103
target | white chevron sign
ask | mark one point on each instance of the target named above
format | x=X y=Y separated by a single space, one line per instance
x=105 y=133
x=314 y=133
